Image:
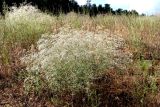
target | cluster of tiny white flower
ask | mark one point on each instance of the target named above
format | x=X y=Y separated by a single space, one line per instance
x=76 y=42
x=72 y=55
x=26 y=14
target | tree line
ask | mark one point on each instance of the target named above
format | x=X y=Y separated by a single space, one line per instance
x=64 y=6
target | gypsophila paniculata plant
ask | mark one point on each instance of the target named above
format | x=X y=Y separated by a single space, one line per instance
x=69 y=60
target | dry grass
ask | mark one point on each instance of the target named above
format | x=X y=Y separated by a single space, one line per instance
x=71 y=66
x=20 y=28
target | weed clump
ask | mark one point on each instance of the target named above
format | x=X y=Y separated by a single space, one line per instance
x=70 y=60
x=26 y=24
x=19 y=29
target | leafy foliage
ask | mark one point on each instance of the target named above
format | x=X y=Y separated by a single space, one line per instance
x=65 y=6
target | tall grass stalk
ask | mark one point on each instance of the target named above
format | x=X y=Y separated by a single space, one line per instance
x=22 y=26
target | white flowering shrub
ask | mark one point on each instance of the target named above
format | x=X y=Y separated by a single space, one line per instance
x=70 y=59
x=21 y=26
x=25 y=24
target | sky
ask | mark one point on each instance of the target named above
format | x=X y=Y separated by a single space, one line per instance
x=142 y=6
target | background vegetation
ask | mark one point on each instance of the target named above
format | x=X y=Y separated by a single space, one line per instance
x=65 y=6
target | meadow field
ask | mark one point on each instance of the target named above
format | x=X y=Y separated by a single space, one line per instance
x=73 y=60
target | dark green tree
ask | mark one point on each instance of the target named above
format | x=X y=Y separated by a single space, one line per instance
x=64 y=6
x=119 y=11
x=134 y=12
x=94 y=10
x=107 y=8
x=100 y=9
